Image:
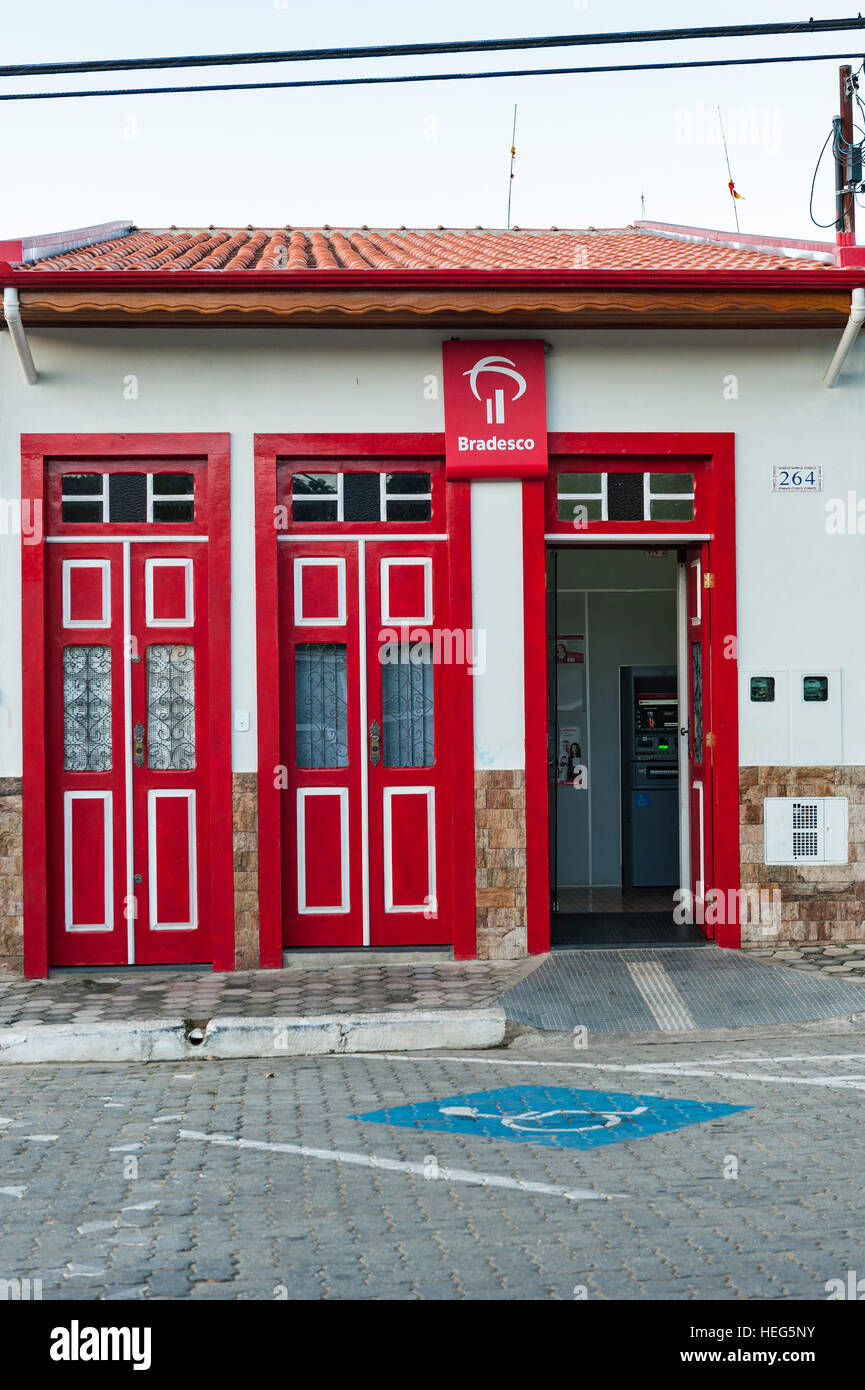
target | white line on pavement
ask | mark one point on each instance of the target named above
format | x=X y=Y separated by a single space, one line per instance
x=431 y=1170
x=856 y=1083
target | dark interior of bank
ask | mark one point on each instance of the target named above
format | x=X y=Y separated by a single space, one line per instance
x=614 y=748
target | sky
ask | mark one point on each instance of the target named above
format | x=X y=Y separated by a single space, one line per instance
x=588 y=147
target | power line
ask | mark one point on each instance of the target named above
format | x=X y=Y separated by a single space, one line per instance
x=404 y=50
x=420 y=77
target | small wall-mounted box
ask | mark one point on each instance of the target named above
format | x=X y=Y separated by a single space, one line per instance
x=805 y=830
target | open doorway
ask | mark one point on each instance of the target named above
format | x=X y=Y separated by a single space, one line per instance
x=618 y=751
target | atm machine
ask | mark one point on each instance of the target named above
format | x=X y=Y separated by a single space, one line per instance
x=650 y=776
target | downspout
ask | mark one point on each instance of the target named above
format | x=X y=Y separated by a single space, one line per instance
x=848 y=337
x=12 y=315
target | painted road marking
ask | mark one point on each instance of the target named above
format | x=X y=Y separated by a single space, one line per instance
x=552 y=1115
x=430 y=1169
x=665 y=1003
x=854 y=1082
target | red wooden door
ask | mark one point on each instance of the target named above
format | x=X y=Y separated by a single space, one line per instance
x=321 y=721
x=128 y=697
x=697 y=675
x=410 y=656
x=364 y=729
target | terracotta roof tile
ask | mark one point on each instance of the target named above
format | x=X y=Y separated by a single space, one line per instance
x=325 y=248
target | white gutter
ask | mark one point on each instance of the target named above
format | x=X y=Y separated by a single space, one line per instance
x=848 y=337
x=12 y=315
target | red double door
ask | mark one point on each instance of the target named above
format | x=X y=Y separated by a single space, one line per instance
x=366 y=664
x=127 y=695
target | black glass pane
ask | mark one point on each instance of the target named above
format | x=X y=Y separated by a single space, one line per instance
x=82 y=511
x=625 y=496
x=408 y=511
x=361 y=497
x=127 y=496
x=323 y=509
x=312 y=484
x=172 y=511
x=165 y=484
x=82 y=484
x=408 y=482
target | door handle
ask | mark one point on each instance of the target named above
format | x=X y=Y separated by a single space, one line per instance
x=375 y=743
x=138 y=744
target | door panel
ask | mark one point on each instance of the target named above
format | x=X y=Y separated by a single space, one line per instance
x=699 y=726
x=86 y=813
x=128 y=695
x=169 y=701
x=410 y=661
x=364 y=701
x=324 y=744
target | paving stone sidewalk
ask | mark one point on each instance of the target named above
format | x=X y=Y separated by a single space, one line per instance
x=298 y=991
x=811 y=960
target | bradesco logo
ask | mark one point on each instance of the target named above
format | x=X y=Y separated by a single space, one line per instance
x=495 y=403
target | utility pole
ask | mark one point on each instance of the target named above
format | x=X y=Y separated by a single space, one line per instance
x=845 y=215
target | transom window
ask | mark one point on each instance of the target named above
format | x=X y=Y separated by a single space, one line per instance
x=625 y=497
x=96 y=498
x=361 y=497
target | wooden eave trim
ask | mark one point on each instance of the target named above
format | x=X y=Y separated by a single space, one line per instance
x=396 y=307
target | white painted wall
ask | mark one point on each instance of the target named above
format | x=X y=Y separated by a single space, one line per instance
x=497 y=613
x=801 y=591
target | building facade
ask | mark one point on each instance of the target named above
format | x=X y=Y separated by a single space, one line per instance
x=291 y=660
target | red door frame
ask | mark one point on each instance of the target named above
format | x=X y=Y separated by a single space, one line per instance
x=36 y=449
x=269 y=448
x=711 y=457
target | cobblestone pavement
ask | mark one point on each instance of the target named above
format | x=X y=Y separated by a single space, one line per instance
x=101 y=996
x=102 y=1197
x=830 y=961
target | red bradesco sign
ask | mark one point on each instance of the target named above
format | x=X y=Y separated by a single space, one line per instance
x=495 y=409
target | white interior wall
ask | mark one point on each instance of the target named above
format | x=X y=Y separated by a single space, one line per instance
x=801 y=591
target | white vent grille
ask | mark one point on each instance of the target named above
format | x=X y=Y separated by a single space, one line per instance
x=806 y=830
x=809 y=830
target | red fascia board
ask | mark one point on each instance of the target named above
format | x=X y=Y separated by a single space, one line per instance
x=818 y=280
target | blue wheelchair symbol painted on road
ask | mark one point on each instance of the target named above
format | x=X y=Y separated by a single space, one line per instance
x=553 y=1115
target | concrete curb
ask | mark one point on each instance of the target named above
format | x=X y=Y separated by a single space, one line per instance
x=177 y=1039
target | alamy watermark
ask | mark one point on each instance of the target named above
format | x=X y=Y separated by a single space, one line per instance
x=21 y=516
x=755 y=907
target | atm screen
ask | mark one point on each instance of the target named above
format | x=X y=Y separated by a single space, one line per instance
x=656 y=712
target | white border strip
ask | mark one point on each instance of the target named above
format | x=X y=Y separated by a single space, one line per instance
x=130 y=904
x=127 y=540
x=335 y=538
x=68 y=567
x=107 y=924
x=188 y=620
x=320 y=562
x=363 y=747
x=387 y=617
x=344 y=903
x=155 y=794
x=389 y=794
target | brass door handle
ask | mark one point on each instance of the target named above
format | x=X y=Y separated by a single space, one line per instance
x=375 y=743
x=138 y=744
